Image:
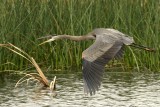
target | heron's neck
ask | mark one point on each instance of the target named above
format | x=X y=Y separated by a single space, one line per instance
x=75 y=38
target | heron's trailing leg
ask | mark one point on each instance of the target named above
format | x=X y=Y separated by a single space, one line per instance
x=142 y=47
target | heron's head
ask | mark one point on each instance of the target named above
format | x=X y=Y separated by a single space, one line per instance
x=90 y=36
x=98 y=31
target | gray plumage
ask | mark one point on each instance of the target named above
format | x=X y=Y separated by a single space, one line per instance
x=109 y=44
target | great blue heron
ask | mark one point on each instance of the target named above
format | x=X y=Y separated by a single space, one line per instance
x=109 y=44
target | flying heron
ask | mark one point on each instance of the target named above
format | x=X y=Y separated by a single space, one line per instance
x=109 y=44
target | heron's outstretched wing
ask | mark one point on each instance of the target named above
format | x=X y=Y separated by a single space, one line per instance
x=120 y=53
x=94 y=60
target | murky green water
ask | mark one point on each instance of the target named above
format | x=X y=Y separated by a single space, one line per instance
x=118 y=90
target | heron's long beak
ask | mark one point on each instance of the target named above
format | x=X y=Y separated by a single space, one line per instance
x=50 y=40
x=47 y=37
x=143 y=47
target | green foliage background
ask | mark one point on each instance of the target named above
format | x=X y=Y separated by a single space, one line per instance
x=23 y=21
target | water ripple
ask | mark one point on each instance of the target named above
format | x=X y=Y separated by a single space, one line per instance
x=117 y=90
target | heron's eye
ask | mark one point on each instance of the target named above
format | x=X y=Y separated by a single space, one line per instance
x=94 y=35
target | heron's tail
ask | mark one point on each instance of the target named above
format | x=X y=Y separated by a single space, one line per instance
x=143 y=47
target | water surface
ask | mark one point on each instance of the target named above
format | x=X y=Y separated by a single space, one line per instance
x=119 y=89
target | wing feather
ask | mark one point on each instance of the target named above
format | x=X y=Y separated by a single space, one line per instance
x=92 y=80
x=120 y=53
x=94 y=63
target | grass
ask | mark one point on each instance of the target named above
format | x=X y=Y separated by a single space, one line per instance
x=22 y=22
x=37 y=77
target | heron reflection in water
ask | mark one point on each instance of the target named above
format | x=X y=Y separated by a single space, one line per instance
x=109 y=44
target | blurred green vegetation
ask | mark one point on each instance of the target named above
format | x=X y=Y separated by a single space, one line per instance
x=23 y=21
